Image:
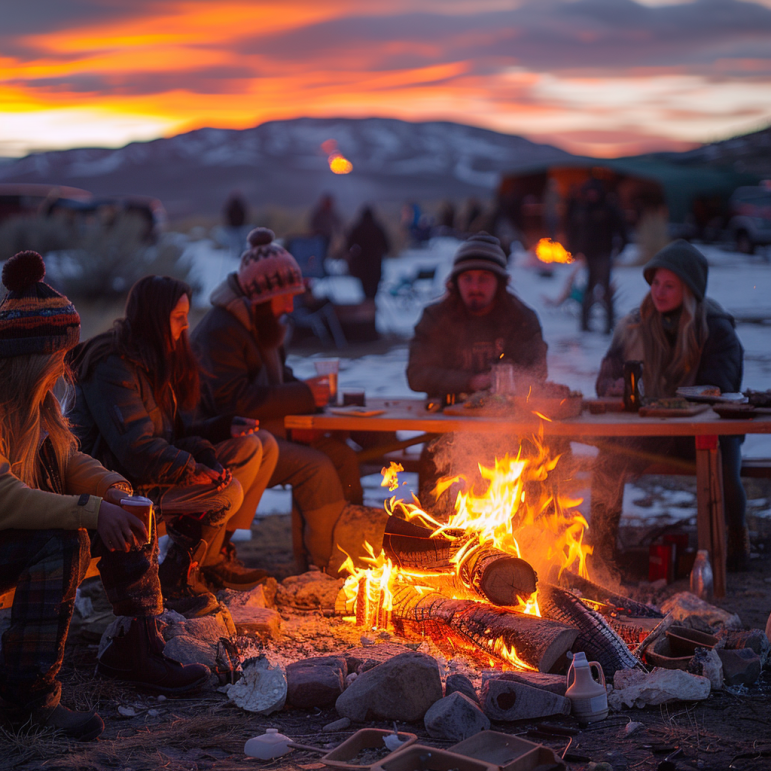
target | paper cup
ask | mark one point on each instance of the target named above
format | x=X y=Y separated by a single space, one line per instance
x=141 y=508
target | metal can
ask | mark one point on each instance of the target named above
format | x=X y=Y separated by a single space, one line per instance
x=632 y=388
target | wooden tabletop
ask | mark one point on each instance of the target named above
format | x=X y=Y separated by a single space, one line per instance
x=411 y=415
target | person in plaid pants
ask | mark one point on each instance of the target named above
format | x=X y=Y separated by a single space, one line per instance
x=58 y=508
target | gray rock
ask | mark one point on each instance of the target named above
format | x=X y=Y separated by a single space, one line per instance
x=460 y=684
x=740 y=667
x=455 y=717
x=337 y=725
x=251 y=621
x=402 y=688
x=551 y=683
x=506 y=700
x=191 y=650
x=315 y=682
x=368 y=656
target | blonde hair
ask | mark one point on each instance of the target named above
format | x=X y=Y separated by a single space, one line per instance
x=27 y=407
x=667 y=367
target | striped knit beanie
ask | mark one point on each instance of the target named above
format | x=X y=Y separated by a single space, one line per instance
x=34 y=317
x=480 y=252
x=267 y=269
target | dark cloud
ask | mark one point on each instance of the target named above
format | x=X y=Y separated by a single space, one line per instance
x=547 y=35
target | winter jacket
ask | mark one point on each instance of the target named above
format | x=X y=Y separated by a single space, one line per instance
x=367 y=245
x=597 y=227
x=84 y=481
x=239 y=375
x=721 y=362
x=451 y=345
x=118 y=421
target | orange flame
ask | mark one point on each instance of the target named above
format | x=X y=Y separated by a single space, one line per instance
x=338 y=163
x=552 y=251
x=514 y=510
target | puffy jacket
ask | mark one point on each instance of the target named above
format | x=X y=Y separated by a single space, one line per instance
x=85 y=481
x=451 y=345
x=722 y=357
x=234 y=373
x=118 y=421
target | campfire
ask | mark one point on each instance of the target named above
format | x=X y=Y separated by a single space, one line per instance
x=470 y=581
x=549 y=251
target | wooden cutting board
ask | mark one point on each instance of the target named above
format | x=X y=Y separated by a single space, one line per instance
x=672 y=412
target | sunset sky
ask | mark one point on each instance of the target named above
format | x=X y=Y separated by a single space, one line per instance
x=601 y=77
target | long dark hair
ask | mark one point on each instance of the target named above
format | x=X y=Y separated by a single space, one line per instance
x=143 y=336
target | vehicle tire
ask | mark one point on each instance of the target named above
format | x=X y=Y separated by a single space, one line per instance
x=744 y=243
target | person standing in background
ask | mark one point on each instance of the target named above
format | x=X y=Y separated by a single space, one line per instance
x=367 y=245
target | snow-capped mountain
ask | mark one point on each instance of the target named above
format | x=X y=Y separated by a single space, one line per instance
x=282 y=163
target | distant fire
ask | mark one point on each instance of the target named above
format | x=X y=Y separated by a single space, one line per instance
x=552 y=251
x=338 y=163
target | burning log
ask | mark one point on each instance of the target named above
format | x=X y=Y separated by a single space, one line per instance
x=595 y=636
x=499 y=578
x=614 y=603
x=525 y=641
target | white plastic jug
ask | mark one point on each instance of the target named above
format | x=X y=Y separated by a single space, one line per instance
x=269 y=745
x=588 y=698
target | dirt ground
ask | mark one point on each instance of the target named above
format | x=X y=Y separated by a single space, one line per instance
x=727 y=731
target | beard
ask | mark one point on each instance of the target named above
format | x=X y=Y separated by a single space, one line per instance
x=475 y=304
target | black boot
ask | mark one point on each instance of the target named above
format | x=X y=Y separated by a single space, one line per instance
x=80 y=726
x=182 y=588
x=137 y=657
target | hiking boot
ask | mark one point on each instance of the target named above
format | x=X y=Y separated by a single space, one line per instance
x=181 y=586
x=81 y=726
x=137 y=657
x=230 y=573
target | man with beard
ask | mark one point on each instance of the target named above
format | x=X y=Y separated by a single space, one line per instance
x=476 y=324
x=239 y=344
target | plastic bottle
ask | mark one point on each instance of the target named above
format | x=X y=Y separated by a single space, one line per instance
x=269 y=745
x=701 y=576
x=588 y=697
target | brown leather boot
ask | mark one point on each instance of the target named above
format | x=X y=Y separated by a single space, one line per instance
x=182 y=589
x=137 y=657
x=231 y=573
x=81 y=726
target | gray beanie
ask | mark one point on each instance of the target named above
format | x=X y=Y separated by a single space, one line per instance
x=686 y=262
x=480 y=252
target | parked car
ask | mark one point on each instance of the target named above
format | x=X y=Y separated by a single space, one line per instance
x=750 y=223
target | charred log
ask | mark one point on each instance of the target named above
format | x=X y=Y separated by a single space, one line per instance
x=497 y=577
x=489 y=630
x=616 y=603
x=595 y=636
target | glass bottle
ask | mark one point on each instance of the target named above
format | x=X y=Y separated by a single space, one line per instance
x=701 y=576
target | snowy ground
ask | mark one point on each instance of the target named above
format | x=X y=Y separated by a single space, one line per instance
x=738 y=282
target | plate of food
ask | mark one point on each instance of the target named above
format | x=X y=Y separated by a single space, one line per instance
x=551 y=400
x=710 y=395
x=740 y=411
x=673 y=407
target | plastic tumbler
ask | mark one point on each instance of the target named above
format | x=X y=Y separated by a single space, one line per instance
x=141 y=508
x=329 y=368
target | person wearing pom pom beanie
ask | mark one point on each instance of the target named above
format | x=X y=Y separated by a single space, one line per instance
x=239 y=344
x=683 y=338
x=59 y=507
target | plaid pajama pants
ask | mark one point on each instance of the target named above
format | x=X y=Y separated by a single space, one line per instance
x=46 y=567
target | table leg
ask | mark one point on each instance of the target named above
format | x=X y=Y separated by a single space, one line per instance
x=710 y=515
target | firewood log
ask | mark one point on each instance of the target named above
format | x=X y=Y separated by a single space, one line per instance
x=499 y=578
x=483 y=628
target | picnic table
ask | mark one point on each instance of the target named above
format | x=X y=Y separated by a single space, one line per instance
x=401 y=414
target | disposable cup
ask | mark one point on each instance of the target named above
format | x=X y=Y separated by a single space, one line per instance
x=141 y=508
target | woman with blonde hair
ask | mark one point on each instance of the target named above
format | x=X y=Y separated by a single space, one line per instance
x=683 y=339
x=59 y=507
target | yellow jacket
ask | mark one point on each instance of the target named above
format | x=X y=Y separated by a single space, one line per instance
x=85 y=482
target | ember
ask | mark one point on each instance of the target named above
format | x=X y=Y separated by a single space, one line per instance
x=552 y=251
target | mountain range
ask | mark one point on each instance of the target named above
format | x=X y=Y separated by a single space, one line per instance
x=282 y=163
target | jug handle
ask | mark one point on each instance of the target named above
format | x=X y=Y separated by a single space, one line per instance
x=571 y=675
x=595 y=665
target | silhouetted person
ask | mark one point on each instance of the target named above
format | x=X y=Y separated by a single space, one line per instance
x=234 y=215
x=325 y=221
x=367 y=245
x=598 y=228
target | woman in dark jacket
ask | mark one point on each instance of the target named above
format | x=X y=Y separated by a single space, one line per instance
x=135 y=383
x=683 y=339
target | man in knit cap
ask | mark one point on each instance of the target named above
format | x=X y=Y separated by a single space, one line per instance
x=239 y=344
x=58 y=507
x=476 y=324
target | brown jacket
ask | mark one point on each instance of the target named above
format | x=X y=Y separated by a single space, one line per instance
x=85 y=481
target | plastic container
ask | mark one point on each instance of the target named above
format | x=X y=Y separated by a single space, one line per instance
x=508 y=753
x=588 y=698
x=269 y=745
x=421 y=758
x=701 y=576
x=364 y=739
